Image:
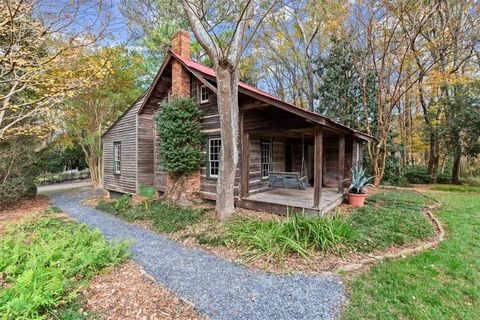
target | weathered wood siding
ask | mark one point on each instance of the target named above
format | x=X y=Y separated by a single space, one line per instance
x=145 y=150
x=125 y=132
x=331 y=165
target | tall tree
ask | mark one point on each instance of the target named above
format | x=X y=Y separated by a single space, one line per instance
x=448 y=40
x=379 y=32
x=209 y=19
x=114 y=87
x=340 y=89
x=37 y=44
x=291 y=41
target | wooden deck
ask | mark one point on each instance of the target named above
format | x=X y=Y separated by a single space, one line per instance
x=283 y=201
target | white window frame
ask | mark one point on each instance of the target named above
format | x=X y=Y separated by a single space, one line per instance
x=117 y=157
x=213 y=142
x=203 y=93
x=266 y=162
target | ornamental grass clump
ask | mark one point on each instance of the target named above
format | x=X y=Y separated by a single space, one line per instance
x=297 y=234
x=44 y=264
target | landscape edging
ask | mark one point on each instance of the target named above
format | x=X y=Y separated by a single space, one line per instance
x=439 y=237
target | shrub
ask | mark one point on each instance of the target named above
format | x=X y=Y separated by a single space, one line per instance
x=417 y=174
x=297 y=234
x=444 y=178
x=473 y=181
x=123 y=203
x=18 y=170
x=149 y=194
x=44 y=264
x=178 y=126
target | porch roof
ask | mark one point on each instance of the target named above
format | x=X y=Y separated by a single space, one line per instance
x=204 y=73
x=270 y=99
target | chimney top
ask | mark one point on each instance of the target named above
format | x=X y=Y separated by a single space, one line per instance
x=181 y=43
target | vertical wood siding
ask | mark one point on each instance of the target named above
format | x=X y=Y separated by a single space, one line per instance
x=125 y=132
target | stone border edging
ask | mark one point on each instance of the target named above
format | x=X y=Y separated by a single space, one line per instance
x=439 y=237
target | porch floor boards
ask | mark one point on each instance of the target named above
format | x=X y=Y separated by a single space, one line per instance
x=281 y=200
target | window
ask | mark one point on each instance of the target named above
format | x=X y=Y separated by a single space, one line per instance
x=117 y=157
x=203 y=94
x=214 y=145
x=266 y=158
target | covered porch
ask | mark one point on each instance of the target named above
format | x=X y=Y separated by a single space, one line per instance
x=282 y=201
x=302 y=143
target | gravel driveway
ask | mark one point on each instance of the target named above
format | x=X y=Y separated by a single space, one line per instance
x=218 y=288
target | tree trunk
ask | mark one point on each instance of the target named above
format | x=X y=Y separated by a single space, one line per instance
x=456 y=169
x=434 y=157
x=227 y=86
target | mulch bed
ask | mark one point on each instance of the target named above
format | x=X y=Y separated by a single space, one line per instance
x=22 y=211
x=319 y=263
x=128 y=292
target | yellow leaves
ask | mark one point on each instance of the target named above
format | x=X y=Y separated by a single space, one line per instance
x=438 y=78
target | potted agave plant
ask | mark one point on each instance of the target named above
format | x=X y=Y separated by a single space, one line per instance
x=356 y=192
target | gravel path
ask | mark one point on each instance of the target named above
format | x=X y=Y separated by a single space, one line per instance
x=218 y=288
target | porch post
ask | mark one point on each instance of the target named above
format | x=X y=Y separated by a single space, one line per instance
x=341 y=163
x=318 y=165
x=244 y=158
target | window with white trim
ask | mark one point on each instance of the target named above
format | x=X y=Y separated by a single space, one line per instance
x=203 y=93
x=266 y=158
x=214 y=145
x=117 y=157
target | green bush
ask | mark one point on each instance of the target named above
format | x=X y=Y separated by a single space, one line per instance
x=444 y=178
x=123 y=203
x=178 y=126
x=473 y=181
x=18 y=170
x=163 y=217
x=417 y=174
x=149 y=194
x=298 y=234
x=45 y=263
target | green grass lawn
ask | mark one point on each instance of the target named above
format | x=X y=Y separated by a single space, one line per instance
x=443 y=283
x=455 y=188
x=390 y=218
x=44 y=264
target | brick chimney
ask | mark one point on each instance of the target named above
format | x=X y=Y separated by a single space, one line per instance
x=180 y=76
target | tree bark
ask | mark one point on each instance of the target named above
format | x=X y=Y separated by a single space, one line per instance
x=456 y=169
x=434 y=157
x=227 y=87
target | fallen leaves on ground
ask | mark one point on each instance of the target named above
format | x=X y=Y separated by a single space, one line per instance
x=128 y=292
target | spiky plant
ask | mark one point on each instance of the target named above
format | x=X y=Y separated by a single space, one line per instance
x=359 y=180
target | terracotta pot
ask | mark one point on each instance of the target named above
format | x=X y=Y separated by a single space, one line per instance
x=356 y=200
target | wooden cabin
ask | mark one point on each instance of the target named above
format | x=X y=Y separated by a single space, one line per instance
x=289 y=157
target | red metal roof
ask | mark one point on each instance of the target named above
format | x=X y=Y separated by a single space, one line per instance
x=210 y=72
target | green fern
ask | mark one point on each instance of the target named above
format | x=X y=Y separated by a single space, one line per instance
x=44 y=263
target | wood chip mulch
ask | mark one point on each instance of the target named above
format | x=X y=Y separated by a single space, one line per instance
x=128 y=292
x=22 y=211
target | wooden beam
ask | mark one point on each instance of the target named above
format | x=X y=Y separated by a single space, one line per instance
x=254 y=105
x=244 y=158
x=317 y=166
x=341 y=163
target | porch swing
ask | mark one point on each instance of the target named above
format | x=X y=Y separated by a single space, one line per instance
x=291 y=180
